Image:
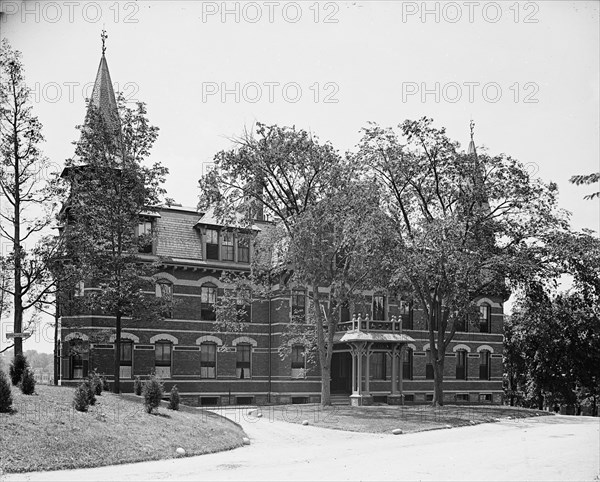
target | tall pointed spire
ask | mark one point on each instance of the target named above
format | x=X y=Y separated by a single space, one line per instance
x=103 y=95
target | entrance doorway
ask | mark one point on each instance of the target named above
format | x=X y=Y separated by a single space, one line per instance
x=341 y=373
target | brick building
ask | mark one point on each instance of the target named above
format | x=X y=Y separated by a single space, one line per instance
x=387 y=346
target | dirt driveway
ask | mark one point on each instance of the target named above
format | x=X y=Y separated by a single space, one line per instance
x=543 y=448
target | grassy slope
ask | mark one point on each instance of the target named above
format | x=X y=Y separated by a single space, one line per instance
x=46 y=433
x=383 y=419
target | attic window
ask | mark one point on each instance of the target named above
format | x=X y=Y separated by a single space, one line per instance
x=212 y=244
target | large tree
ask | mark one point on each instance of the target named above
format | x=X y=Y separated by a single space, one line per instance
x=463 y=224
x=111 y=189
x=324 y=230
x=552 y=346
x=28 y=191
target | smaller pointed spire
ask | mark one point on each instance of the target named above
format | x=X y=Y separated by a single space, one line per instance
x=472 y=149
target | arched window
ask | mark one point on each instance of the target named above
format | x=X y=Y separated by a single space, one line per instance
x=485 y=316
x=78 y=358
x=461 y=364
x=298 y=361
x=407 y=364
x=428 y=366
x=484 y=365
x=243 y=363
x=208 y=360
x=162 y=358
x=208 y=295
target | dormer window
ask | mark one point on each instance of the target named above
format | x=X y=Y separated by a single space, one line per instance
x=227 y=253
x=144 y=233
x=243 y=243
x=212 y=244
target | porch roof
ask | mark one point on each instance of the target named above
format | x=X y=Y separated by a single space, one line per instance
x=357 y=335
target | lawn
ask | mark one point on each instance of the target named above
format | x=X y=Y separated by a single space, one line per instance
x=46 y=433
x=384 y=418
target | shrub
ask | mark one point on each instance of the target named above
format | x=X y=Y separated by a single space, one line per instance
x=17 y=368
x=105 y=384
x=174 y=398
x=81 y=400
x=27 y=384
x=137 y=386
x=153 y=392
x=96 y=383
x=5 y=394
x=91 y=389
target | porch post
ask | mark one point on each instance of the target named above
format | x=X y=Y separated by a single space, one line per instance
x=401 y=374
x=394 y=370
x=354 y=366
x=359 y=369
x=368 y=368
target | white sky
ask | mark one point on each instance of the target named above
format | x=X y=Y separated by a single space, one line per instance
x=172 y=55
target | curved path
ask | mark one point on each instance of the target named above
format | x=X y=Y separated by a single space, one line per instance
x=543 y=448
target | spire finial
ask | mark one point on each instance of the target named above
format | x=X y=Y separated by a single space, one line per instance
x=472 y=127
x=103 y=36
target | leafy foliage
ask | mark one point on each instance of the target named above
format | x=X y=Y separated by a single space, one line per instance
x=587 y=179
x=174 y=398
x=81 y=399
x=460 y=226
x=108 y=195
x=95 y=383
x=5 y=394
x=27 y=384
x=28 y=186
x=137 y=386
x=17 y=368
x=323 y=232
x=152 y=391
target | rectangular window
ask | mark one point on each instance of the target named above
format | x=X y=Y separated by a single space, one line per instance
x=298 y=362
x=462 y=397
x=299 y=304
x=208 y=360
x=126 y=359
x=144 y=233
x=227 y=246
x=484 y=365
x=429 y=375
x=162 y=359
x=379 y=307
x=378 y=371
x=243 y=249
x=208 y=299
x=164 y=290
x=406 y=313
x=212 y=244
x=485 y=397
x=243 y=365
x=461 y=365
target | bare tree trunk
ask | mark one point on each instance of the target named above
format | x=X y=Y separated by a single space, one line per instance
x=326 y=385
x=117 y=373
x=438 y=375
